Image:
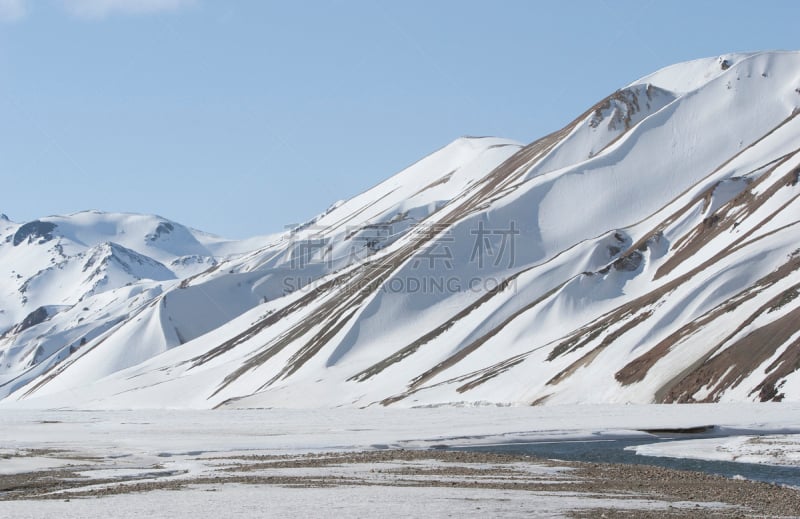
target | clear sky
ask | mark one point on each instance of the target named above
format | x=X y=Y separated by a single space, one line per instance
x=241 y=116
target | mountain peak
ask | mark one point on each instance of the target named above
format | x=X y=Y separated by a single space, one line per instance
x=685 y=77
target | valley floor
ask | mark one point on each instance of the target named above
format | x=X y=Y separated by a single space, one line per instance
x=371 y=463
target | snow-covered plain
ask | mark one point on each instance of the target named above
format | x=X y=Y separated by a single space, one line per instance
x=117 y=448
x=173 y=432
x=357 y=501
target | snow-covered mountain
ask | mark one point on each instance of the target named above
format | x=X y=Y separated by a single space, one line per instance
x=648 y=251
x=70 y=279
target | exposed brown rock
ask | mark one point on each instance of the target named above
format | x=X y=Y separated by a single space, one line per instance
x=738 y=361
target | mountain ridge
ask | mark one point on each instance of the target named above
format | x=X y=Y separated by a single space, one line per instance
x=643 y=253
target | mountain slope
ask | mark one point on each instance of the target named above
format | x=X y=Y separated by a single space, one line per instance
x=645 y=252
x=72 y=278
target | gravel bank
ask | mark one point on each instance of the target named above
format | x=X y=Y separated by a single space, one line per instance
x=674 y=493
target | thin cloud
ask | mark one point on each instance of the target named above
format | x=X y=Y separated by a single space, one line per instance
x=15 y=10
x=97 y=9
x=12 y=10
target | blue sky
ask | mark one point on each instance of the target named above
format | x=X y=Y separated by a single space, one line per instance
x=239 y=117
